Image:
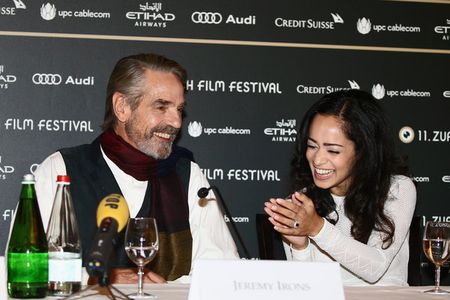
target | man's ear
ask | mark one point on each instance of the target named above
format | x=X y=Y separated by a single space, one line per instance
x=120 y=107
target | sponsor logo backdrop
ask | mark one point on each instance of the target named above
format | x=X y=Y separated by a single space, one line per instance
x=254 y=67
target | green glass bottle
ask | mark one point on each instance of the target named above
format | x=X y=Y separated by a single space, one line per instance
x=27 y=248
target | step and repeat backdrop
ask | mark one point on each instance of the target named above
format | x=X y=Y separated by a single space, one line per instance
x=254 y=68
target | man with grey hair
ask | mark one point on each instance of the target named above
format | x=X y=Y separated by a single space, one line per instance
x=135 y=156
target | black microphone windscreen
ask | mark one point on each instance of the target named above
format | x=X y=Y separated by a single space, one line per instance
x=203 y=192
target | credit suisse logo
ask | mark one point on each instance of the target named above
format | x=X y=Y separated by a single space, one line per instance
x=215 y=18
x=12 y=10
x=323 y=24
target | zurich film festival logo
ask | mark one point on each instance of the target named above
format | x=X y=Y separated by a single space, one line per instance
x=406 y=134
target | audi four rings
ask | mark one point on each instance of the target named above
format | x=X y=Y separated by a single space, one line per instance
x=206 y=17
x=47 y=79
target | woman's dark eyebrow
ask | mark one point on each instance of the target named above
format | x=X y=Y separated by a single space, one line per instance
x=326 y=144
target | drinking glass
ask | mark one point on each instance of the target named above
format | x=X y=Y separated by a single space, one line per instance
x=141 y=245
x=436 y=242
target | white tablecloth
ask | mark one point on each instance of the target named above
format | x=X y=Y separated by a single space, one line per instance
x=174 y=291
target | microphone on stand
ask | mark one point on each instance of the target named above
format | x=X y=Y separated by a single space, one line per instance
x=203 y=201
x=112 y=216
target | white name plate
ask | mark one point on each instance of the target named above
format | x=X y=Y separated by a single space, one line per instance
x=265 y=280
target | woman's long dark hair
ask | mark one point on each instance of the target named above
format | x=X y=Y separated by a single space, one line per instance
x=365 y=124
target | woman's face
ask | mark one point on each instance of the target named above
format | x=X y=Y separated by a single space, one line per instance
x=330 y=154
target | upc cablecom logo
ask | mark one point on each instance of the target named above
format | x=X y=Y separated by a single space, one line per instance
x=48 y=11
x=195 y=129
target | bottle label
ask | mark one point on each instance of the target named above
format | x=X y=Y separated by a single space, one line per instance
x=64 y=266
x=27 y=267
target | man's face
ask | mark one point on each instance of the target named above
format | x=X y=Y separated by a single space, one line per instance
x=155 y=123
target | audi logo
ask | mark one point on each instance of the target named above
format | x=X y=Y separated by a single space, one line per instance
x=47 y=79
x=206 y=17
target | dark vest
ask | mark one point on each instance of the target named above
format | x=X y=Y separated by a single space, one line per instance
x=91 y=181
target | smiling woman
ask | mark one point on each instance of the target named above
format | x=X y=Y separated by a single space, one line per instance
x=359 y=202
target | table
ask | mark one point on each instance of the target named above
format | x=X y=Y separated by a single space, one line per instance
x=177 y=291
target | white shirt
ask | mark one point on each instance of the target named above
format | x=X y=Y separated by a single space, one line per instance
x=369 y=264
x=210 y=235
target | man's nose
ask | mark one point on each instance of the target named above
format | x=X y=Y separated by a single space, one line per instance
x=174 y=118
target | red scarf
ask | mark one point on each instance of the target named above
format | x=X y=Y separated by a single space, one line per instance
x=168 y=200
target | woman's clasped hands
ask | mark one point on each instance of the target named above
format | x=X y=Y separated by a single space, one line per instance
x=295 y=218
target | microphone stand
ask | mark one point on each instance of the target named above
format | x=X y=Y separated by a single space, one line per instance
x=231 y=225
x=103 y=287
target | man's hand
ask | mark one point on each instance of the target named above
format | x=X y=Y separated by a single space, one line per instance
x=129 y=275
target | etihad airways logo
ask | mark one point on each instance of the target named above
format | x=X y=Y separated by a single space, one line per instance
x=195 y=129
x=364 y=26
x=150 y=15
x=49 y=12
x=284 y=131
x=310 y=23
x=5 y=169
x=322 y=90
x=443 y=30
x=6 y=79
x=379 y=92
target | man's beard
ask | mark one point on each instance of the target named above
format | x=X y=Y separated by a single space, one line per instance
x=147 y=143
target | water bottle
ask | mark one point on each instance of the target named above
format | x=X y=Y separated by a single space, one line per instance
x=27 y=247
x=64 y=246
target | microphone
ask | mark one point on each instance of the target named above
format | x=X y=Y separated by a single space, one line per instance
x=203 y=201
x=112 y=216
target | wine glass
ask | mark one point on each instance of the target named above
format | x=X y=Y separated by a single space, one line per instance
x=436 y=243
x=141 y=245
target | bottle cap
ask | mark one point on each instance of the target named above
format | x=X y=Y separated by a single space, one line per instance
x=63 y=178
x=28 y=178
